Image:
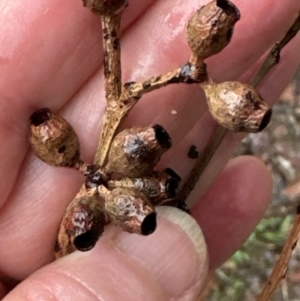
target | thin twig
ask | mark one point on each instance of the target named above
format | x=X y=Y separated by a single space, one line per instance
x=280 y=269
x=192 y=72
x=273 y=57
x=113 y=81
x=281 y=266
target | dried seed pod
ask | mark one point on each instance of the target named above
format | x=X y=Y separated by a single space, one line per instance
x=237 y=106
x=158 y=188
x=129 y=209
x=82 y=225
x=211 y=27
x=53 y=140
x=105 y=7
x=135 y=151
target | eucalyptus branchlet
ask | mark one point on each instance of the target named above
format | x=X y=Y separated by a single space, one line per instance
x=122 y=186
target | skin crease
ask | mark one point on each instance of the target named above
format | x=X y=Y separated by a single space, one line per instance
x=51 y=57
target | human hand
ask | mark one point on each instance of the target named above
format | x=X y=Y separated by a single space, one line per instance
x=51 y=57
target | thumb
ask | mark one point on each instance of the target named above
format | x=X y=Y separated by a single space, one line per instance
x=170 y=264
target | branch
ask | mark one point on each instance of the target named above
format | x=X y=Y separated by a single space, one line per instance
x=113 y=81
x=274 y=56
x=193 y=72
x=280 y=269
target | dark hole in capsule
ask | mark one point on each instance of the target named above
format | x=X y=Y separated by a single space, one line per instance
x=173 y=174
x=149 y=224
x=266 y=119
x=172 y=187
x=229 y=8
x=86 y=241
x=162 y=136
x=40 y=116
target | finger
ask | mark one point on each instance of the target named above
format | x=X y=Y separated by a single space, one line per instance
x=171 y=264
x=230 y=210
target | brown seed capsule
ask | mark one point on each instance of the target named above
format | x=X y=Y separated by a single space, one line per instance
x=158 y=188
x=53 y=140
x=105 y=7
x=211 y=27
x=81 y=227
x=237 y=106
x=135 y=151
x=129 y=209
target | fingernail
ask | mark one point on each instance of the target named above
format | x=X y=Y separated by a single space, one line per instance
x=175 y=255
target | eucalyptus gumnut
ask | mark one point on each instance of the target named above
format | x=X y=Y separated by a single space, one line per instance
x=105 y=7
x=82 y=225
x=237 y=106
x=135 y=151
x=157 y=188
x=53 y=140
x=129 y=209
x=211 y=27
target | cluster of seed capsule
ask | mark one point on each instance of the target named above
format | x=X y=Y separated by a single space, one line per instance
x=126 y=189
